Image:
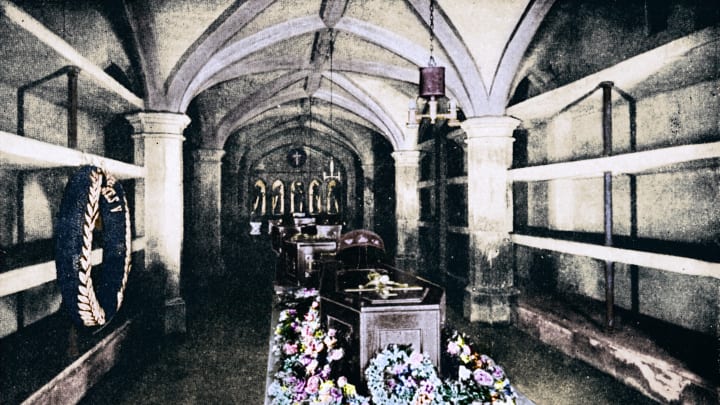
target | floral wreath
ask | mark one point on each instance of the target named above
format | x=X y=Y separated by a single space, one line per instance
x=400 y=375
x=92 y=298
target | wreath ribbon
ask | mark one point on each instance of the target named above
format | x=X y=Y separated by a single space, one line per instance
x=92 y=199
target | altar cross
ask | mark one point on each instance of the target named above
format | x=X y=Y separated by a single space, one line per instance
x=297 y=157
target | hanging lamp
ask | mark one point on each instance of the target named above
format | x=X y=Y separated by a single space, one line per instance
x=432 y=86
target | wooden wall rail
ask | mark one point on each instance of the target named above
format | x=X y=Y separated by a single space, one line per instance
x=18 y=152
x=675 y=264
x=626 y=163
x=24 y=278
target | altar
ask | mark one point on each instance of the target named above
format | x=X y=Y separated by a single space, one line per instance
x=381 y=306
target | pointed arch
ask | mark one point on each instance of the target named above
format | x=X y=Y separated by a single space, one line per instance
x=277 y=197
x=514 y=52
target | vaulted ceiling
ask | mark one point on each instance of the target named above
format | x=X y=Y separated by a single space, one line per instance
x=341 y=68
x=251 y=65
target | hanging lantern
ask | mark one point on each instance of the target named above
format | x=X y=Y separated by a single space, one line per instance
x=432 y=82
x=432 y=87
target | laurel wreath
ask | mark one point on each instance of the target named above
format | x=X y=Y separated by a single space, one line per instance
x=128 y=255
x=89 y=308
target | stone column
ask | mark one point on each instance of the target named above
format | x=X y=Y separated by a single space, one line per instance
x=368 y=196
x=407 y=207
x=232 y=209
x=490 y=293
x=206 y=214
x=158 y=147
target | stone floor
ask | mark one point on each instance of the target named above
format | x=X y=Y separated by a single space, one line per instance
x=223 y=357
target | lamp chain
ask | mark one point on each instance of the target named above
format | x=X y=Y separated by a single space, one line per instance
x=432 y=32
x=332 y=48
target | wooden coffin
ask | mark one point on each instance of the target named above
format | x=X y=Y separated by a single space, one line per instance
x=372 y=321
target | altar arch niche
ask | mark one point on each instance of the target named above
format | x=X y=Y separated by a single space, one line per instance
x=298 y=181
x=317 y=199
x=259 y=201
x=278 y=198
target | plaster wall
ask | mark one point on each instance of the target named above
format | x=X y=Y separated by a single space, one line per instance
x=42 y=191
x=672 y=211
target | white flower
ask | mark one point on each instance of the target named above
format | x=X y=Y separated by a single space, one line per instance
x=464 y=373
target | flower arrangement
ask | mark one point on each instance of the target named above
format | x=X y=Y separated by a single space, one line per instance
x=399 y=375
x=310 y=372
x=307 y=356
x=473 y=378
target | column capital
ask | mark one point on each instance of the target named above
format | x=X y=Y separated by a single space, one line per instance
x=158 y=123
x=489 y=126
x=208 y=155
x=406 y=157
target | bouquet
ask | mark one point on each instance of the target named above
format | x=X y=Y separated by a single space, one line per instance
x=399 y=375
x=307 y=355
x=472 y=377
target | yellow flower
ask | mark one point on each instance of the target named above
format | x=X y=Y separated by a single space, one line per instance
x=349 y=390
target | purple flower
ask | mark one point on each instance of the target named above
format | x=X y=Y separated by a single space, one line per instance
x=398 y=369
x=325 y=372
x=498 y=373
x=298 y=385
x=305 y=360
x=482 y=377
x=453 y=348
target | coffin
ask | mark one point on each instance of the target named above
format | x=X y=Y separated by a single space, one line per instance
x=304 y=256
x=411 y=315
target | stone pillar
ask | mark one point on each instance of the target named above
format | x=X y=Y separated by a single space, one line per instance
x=232 y=210
x=368 y=196
x=490 y=293
x=407 y=207
x=158 y=147
x=205 y=215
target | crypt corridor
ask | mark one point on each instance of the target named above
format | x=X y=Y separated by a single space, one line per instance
x=568 y=208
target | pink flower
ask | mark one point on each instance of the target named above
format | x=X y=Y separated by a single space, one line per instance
x=330 y=341
x=342 y=380
x=312 y=366
x=336 y=354
x=290 y=348
x=416 y=359
x=482 y=377
x=312 y=384
x=453 y=348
